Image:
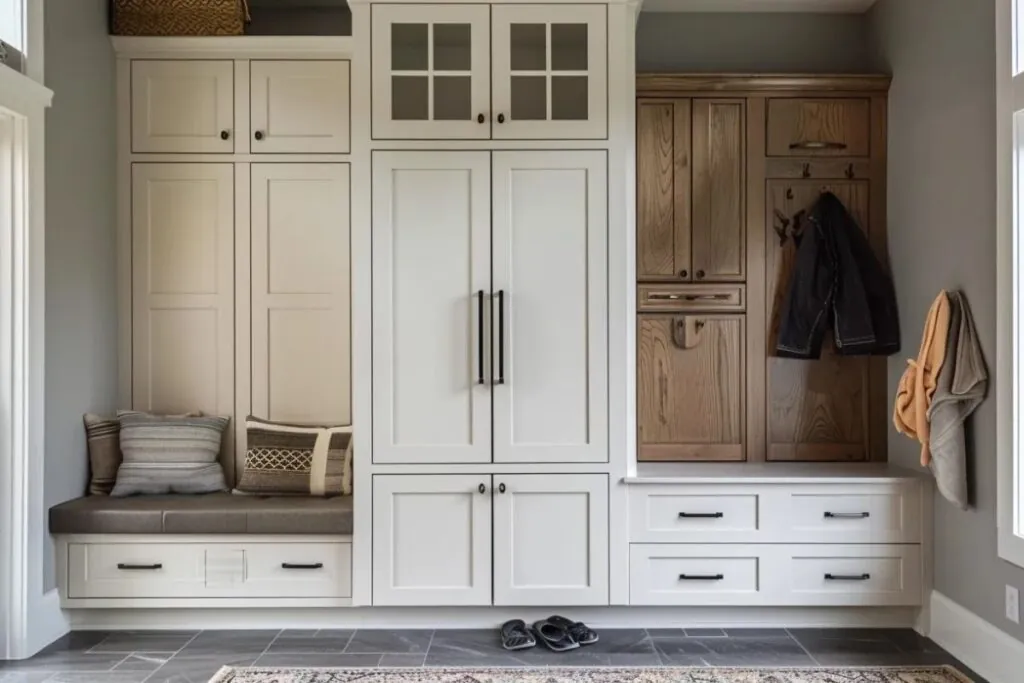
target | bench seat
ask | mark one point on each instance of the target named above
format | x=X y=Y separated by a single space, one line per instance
x=215 y=513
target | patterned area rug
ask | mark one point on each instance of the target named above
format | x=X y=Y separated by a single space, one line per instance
x=592 y=675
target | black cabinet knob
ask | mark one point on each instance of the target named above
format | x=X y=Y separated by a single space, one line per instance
x=482 y=488
x=225 y=134
x=684 y=273
x=259 y=135
x=700 y=274
x=480 y=118
x=501 y=488
x=501 y=118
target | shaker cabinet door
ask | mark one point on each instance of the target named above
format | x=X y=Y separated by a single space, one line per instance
x=299 y=107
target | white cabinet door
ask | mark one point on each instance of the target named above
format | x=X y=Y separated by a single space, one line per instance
x=550 y=307
x=551 y=539
x=183 y=286
x=183 y=106
x=431 y=271
x=300 y=107
x=431 y=71
x=432 y=540
x=550 y=69
x=301 y=354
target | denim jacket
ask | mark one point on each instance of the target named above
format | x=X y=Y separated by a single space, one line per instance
x=837 y=281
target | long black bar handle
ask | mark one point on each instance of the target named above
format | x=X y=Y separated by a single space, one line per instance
x=139 y=567
x=289 y=565
x=501 y=337
x=701 y=577
x=847 y=577
x=701 y=515
x=847 y=515
x=480 y=337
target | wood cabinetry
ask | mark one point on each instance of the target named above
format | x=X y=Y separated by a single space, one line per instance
x=724 y=164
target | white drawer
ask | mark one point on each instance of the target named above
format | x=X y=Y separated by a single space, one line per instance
x=845 y=514
x=694 y=574
x=209 y=570
x=854 y=575
x=662 y=514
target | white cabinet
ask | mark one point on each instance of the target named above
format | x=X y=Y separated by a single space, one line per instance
x=183 y=288
x=431 y=71
x=432 y=540
x=489 y=71
x=299 y=107
x=551 y=539
x=183 y=106
x=550 y=71
x=431 y=274
x=550 y=277
x=300 y=297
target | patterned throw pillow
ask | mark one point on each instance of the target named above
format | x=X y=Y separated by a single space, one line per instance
x=103 y=437
x=169 y=454
x=296 y=459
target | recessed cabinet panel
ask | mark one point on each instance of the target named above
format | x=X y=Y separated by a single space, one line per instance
x=300 y=107
x=811 y=127
x=431 y=262
x=183 y=106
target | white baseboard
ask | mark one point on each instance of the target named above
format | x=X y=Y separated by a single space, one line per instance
x=994 y=654
x=490 y=617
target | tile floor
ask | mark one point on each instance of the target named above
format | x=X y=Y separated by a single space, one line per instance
x=194 y=656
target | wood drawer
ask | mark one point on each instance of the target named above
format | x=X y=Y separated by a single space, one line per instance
x=670 y=298
x=666 y=514
x=140 y=570
x=808 y=127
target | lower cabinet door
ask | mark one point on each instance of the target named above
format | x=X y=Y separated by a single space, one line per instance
x=550 y=539
x=432 y=539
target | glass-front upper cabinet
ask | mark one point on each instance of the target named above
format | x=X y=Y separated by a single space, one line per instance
x=431 y=71
x=550 y=71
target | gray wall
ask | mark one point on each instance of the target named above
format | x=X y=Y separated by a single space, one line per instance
x=942 y=207
x=81 y=296
x=755 y=43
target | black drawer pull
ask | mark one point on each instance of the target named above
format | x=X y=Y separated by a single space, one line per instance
x=139 y=567
x=847 y=515
x=818 y=144
x=701 y=577
x=701 y=515
x=847 y=577
x=289 y=565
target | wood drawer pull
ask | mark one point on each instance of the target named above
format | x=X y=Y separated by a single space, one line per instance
x=689 y=297
x=847 y=577
x=701 y=577
x=139 y=567
x=289 y=565
x=817 y=144
x=847 y=515
x=701 y=515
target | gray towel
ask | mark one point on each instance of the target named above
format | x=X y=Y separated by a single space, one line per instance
x=962 y=383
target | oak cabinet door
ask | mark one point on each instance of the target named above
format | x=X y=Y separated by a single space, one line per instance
x=551 y=539
x=719 y=190
x=299 y=107
x=810 y=127
x=431 y=272
x=817 y=409
x=183 y=106
x=690 y=386
x=550 y=308
x=663 y=186
x=432 y=539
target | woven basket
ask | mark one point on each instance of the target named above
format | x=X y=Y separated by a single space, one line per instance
x=179 y=17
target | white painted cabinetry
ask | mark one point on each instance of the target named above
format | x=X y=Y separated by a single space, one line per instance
x=299 y=106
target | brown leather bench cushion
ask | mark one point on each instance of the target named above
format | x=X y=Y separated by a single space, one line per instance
x=216 y=513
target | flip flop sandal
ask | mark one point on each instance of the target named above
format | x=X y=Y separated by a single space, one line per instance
x=516 y=636
x=577 y=630
x=554 y=637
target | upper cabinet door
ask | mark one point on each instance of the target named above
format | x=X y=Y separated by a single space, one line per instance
x=185 y=106
x=431 y=71
x=431 y=276
x=300 y=107
x=550 y=309
x=719 y=191
x=550 y=72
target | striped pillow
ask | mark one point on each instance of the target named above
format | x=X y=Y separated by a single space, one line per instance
x=296 y=459
x=169 y=455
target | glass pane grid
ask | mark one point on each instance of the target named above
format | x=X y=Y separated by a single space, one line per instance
x=552 y=86
x=431 y=61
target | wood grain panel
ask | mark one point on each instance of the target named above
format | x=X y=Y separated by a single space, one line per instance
x=690 y=387
x=719 y=190
x=756 y=444
x=663 y=189
x=813 y=405
x=667 y=85
x=842 y=122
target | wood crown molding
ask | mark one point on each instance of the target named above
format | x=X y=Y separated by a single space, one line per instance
x=668 y=83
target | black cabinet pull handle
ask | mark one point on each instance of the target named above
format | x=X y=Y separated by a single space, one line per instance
x=847 y=515
x=700 y=274
x=684 y=273
x=501 y=337
x=701 y=515
x=259 y=135
x=817 y=144
x=289 y=565
x=139 y=567
x=501 y=118
x=225 y=134
x=481 y=488
x=480 y=118
x=847 y=577
x=701 y=577
x=480 y=337
x=501 y=488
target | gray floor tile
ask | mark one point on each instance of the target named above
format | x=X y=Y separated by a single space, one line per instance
x=704 y=633
x=144 y=641
x=665 y=632
x=472 y=647
x=667 y=659
x=680 y=646
x=622 y=641
x=24 y=677
x=326 y=642
x=99 y=677
x=402 y=660
x=390 y=641
x=755 y=632
x=239 y=642
x=845 y=646
x=840 y=633
x=318 y=661
x=76 y=641
x=182 y=668
x=66 y=661
x=143 y=661
x=768 y=651
x=882 y=659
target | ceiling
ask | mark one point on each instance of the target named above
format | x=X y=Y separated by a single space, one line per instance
x=847 y=6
